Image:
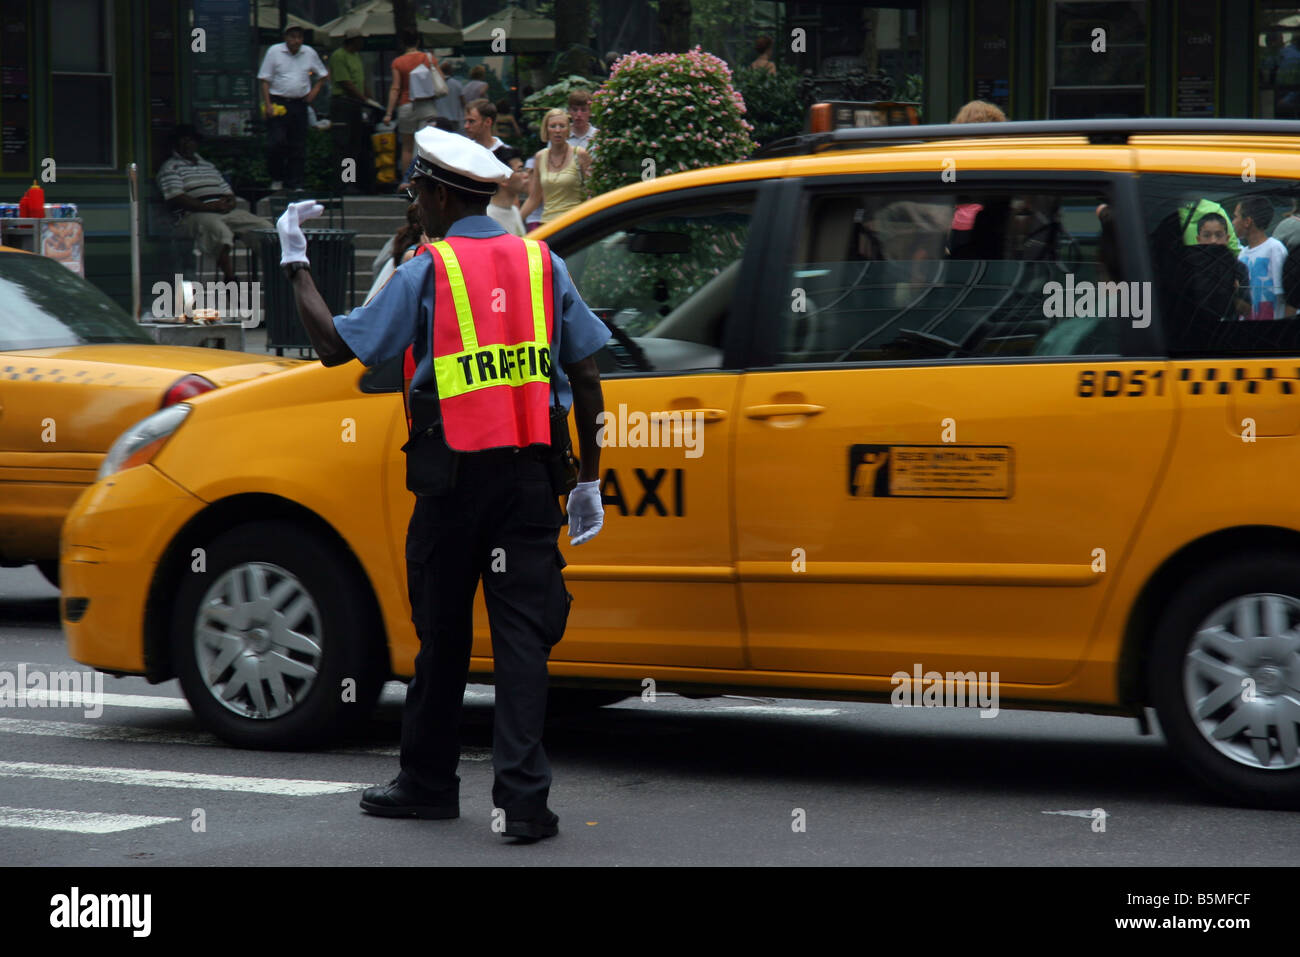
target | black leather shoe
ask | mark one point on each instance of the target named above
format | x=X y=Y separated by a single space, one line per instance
x=395 y=800
x=528 y=830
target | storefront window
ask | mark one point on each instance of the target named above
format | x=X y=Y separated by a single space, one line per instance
x=81 y=83
x=1099 y=58
x=845 y=38
x=1277 y=59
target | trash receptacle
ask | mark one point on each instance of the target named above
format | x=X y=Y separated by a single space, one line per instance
x=333 y=268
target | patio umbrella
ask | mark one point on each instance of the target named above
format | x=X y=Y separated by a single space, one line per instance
x=268 y=20
x=375 y=19
x=525 y=31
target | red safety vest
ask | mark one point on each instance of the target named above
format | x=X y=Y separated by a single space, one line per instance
x=492 y=326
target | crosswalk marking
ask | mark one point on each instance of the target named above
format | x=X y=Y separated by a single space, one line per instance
x=76 y=822
x=81 y=699
x=145 y=777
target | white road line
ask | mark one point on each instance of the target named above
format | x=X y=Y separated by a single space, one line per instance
x=118 y=733
x=81 y=699
x=145 y=777
x=77 y=822
x=1074 y=813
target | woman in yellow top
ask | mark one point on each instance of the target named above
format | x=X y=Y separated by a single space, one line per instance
x=560 y=171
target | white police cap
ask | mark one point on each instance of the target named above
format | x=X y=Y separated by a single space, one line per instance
x=458 y=161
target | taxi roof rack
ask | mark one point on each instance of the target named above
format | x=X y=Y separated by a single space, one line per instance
x=1114 y=132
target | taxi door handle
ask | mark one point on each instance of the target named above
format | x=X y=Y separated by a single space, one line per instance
x=709 y=415
x=782 y=408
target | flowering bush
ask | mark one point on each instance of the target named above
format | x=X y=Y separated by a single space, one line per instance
x=678 y=110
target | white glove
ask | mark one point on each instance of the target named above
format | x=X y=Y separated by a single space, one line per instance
x=586 y=512
x=293 y=244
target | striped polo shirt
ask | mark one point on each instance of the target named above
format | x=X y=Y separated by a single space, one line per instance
x=197 y=178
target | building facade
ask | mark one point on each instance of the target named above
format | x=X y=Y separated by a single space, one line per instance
x=90 y=86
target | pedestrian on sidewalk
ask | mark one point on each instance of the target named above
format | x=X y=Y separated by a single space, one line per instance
x=412 y=114
x=349 y=108
x=452 y=106
x=560 y=171
x=291 y=78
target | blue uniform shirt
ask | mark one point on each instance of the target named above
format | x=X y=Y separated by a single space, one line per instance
x=401 y=313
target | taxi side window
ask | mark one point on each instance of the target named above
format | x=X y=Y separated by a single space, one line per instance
x=897 y=275
x=1223 y=251
x=666 y=280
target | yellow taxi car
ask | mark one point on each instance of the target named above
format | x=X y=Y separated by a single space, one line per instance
x=900 y=414
x=75 y=371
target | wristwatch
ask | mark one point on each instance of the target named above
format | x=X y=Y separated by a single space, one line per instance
x=292 y=269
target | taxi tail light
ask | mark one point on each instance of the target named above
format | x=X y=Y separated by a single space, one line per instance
x=186 y=387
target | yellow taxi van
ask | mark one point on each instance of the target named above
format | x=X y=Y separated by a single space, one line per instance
x=955 y=401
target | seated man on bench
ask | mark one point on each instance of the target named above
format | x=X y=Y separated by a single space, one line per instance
x=203 y=201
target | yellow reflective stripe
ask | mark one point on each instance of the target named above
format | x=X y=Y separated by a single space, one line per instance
x=459 y=295
x=535 y=287
x=490 y=366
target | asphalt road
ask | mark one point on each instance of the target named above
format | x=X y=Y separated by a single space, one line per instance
x=673 y=782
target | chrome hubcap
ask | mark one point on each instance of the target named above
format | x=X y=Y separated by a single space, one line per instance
x=1241 y=680
x=257 y=639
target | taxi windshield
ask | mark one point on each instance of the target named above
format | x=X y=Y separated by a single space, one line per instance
x=44 y=304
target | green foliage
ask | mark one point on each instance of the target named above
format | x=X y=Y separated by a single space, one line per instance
x=664 y=113
x=556 y=95
x=244 y=161
x=536 y=104
x=913 y=90
x=773 y=102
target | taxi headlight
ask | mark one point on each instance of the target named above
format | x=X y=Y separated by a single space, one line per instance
x=141 y=442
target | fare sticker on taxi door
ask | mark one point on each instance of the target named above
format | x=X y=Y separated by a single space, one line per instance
x=930 y=471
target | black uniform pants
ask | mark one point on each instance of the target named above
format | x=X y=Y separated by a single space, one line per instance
x=500 y=523
x=287 y=141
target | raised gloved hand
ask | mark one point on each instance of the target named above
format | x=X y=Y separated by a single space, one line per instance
x=293 y=244
x=586 y=512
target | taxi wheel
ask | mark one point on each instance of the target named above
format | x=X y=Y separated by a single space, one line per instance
x=1225 y=678
x=270 y=645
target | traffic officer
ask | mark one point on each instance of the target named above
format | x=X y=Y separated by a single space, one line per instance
x=494 y=318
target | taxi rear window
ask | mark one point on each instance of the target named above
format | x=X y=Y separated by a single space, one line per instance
x=1226 y=255
x=43 y=304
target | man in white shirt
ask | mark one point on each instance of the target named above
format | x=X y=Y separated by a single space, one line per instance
x=287 y=89
x=504 y=205
x=580 y=129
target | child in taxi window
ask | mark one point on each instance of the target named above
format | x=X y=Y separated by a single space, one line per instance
x=1212 y=230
